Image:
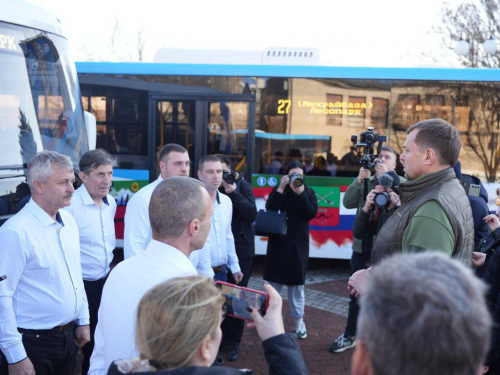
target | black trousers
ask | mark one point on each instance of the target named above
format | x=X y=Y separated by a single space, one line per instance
x=357 y=263
x=94 y=294
x=232 y=328
x=51 y=352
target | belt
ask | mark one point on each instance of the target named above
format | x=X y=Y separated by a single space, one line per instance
x=58 y=328
x=217 y=269
x=63 y=328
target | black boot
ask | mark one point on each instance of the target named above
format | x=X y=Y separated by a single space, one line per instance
x=234 y=352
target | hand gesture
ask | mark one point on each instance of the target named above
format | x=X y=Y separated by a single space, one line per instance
x=82 y=335
x=380 y=169
x=297 y=189
x=370 y=201
x=395 y=200
x=363 y=174
x=478 y=259
x=271 y=324
x=237 y=276
x=359 y=281
x=492 y=221
x=285 y=180
x=228 y=188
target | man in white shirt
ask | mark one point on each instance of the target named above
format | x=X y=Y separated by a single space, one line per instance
x=174 y=161
x=222 y=249
x=94 y=209
x=179 y=212
x=43 y=297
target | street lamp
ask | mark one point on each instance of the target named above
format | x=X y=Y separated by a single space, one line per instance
x=464 y=48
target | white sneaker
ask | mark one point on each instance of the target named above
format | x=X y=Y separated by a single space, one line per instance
x=300 y=328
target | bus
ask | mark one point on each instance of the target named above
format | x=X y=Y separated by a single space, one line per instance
x=40 y=103
x=262 y=116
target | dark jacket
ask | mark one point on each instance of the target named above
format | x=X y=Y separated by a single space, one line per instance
x=287 y=258
x=491 y=276
x=282 y=353
x=244 y=214
x=442 y=187
x=479 y=206
x=363 y=230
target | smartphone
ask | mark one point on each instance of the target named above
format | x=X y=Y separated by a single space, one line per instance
x=238 y=298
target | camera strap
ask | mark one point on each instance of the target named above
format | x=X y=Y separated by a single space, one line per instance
x=374 y=215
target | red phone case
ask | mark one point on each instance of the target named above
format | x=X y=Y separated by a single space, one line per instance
x=247 y=289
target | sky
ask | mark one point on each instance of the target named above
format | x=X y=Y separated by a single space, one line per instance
x=379 y=33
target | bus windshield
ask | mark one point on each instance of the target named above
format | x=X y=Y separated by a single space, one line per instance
x=40 y=107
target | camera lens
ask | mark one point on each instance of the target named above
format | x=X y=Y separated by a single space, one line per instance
x=229 y=177
x=296 y=180
x=382 y=199
x=369 y=138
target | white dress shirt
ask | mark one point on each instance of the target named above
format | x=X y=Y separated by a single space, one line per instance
x=222 y=250
x=138 y=232
x=97 y=232
x=44 y=286
x=126 y=285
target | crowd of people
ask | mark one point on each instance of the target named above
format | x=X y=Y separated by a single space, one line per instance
x=416 y=306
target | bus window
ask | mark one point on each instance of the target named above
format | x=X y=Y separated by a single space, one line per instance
x=175 y=124
x=228 y=132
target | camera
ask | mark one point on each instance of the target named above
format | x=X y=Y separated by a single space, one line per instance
x=382 y=200
x=230 y=177
x=367 y=140
x=296 y=179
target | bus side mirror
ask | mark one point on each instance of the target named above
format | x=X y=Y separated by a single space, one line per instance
x=91 y=127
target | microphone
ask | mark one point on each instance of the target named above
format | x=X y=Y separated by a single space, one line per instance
x=385 y=180
x=389 y=180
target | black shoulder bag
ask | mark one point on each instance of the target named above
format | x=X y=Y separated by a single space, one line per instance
x=270 y=223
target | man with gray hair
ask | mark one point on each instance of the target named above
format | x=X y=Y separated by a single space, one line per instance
x=422 y=314
x=43 y=298
x=94 y=209
x=180 y=211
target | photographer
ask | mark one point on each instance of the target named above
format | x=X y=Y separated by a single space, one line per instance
x=372 y=216
x=244 y=214
x=354 y=197
x=287 y=258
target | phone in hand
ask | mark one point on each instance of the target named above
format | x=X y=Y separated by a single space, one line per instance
x=238 y=298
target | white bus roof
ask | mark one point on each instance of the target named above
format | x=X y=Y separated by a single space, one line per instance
x=268 y=56
x=22 y=13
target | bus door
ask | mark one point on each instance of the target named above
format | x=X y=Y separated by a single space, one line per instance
x=207 y=125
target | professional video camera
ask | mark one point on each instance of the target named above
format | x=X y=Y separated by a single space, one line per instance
x=296 y=179
x=230 y=177
x=367 y=140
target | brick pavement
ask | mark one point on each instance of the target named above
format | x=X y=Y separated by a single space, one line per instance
x=327 y=301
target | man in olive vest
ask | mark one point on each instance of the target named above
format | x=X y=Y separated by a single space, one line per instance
x=435 y=213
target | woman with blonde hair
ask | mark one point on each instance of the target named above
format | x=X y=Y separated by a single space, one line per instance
x=178 y=332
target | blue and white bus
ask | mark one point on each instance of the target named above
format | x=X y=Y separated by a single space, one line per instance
x=263 y=116
x=40 y=103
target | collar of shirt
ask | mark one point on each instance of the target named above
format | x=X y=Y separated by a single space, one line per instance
x=87 y=198
x=170 y=254
x=42 y=216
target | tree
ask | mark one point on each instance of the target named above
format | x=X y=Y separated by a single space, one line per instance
x=475 y=22
x=117 y=49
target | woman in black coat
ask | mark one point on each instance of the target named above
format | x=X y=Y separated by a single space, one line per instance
x=287 y=258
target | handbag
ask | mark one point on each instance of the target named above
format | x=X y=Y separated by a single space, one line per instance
x=271 y=223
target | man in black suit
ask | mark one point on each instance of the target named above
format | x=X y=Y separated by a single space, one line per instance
x=244 y=214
